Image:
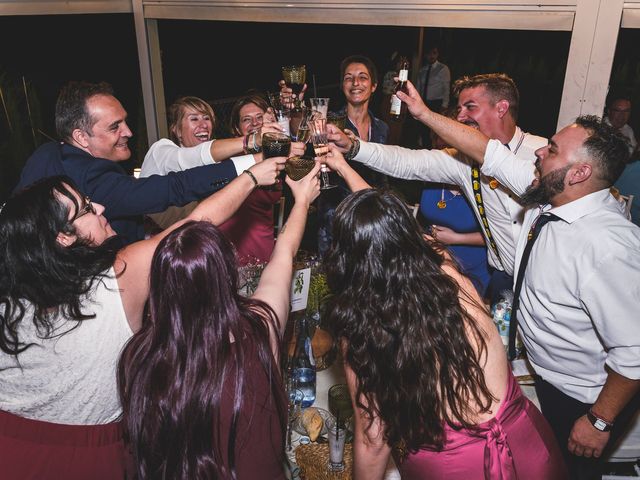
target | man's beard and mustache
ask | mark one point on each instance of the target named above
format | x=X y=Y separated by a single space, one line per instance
x=548 y=186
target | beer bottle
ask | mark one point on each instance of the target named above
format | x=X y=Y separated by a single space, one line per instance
x=398 y=108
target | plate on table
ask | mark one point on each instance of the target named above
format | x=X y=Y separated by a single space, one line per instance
x=299 y=427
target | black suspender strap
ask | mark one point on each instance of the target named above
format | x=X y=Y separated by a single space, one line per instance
x=477 y=195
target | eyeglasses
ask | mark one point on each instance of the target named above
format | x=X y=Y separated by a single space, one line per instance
x=87 y=208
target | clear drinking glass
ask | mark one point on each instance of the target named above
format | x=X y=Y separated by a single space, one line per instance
x=320 y=105
x=337 y=435
x=295 y=408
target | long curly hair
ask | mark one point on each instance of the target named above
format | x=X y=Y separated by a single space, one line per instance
x=405 y=330
x=36 y=270
x=172 y=372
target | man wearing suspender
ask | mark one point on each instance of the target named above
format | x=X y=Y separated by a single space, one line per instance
x=578 y=283
x=489 y=103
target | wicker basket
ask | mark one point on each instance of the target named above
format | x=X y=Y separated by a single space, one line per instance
x=313 y=459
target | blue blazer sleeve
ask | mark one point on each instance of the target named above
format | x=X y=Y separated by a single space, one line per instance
x=122 y=195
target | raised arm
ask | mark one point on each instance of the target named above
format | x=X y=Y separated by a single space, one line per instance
x=336 y=162
x=274 y=287
x=134 y=261
x=466 y=139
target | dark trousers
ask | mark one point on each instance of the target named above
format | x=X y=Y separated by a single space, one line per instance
x=499 y=283
x=561 y=411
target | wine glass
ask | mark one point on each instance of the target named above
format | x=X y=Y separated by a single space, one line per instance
x=295 y=76
x=275 y=144
x=318 y=127
x=299 y=125
x=339 y=119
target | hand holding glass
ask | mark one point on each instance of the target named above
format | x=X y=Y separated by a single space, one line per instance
x=295 y=76
x=275 y=144
x=318 y=126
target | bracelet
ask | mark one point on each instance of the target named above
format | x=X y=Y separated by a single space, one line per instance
x=253 y=146
x=253 y=177
x=245 y=141
x=353 y=151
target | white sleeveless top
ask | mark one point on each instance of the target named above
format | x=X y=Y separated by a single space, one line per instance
x=71 y=378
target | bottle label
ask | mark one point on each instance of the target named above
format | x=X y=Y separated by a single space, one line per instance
x=300 y=289
x=396 y=105
x=403 y=75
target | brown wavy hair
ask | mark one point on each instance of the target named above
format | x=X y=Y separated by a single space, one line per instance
x=407 y=335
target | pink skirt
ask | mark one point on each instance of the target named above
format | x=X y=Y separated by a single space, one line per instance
x=517 y=443
x=32 y=449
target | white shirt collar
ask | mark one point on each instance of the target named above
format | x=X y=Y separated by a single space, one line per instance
x=575 y=210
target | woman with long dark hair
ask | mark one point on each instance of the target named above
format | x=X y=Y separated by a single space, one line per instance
x=424 y=363
x=200 y=383
x=70 y=299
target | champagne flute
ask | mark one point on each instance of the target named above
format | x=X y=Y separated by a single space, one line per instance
x=318 y=125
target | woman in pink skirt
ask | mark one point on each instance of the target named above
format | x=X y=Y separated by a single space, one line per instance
x=424 y=363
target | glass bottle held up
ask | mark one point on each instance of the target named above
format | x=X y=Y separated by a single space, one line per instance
x=398 y=108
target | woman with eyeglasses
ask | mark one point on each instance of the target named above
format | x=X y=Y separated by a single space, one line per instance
x=70 y=299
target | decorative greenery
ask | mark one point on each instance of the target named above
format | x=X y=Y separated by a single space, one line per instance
x=318 y=290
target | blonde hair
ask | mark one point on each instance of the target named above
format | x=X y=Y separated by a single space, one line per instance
x=177 y=112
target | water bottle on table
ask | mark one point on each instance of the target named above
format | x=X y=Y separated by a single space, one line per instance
x=303 y=364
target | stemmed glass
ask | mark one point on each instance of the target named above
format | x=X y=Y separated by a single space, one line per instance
x=298 y=167
x=294 y=409
x=295 y=76
x=275 y=144
x=318 y=127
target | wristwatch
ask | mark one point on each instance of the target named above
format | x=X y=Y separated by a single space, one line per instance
x=599 y=423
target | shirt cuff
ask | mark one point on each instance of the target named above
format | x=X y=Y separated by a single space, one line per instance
x=365 y=152
x=243 y=162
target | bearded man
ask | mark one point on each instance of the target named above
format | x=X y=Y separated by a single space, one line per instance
x=577 y=286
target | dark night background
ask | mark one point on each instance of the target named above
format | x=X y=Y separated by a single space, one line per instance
x=212 y=60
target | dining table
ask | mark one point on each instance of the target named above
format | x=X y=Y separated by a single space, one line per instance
x=325 y=379
x=334 y=374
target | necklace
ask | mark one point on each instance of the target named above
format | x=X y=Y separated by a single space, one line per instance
x=443 y=203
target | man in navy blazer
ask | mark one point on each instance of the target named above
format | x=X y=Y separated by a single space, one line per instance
x=92 y=124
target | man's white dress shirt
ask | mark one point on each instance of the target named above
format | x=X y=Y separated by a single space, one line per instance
x=502 y=210
x=438 y=83
x=580 y=299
